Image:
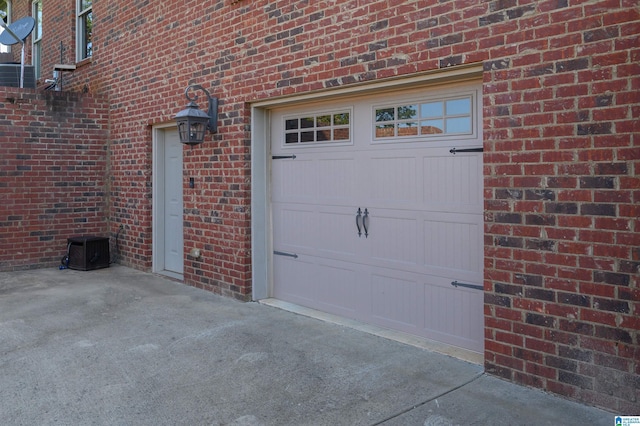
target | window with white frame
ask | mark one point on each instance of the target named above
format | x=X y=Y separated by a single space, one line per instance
x=427 y=118
x=84 y=28
x=5 y=15
x=36 y=37
x=325 y=127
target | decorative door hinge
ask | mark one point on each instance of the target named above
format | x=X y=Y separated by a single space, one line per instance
x=454 y=151
x=284 y=253
x=472 y=286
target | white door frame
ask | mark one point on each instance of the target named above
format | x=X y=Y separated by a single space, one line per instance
x=158 y=194
x=261 y=229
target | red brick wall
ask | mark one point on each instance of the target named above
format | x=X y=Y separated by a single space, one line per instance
x=561 y=150
x=59 y=19
x=562 y=247
x=52 y=174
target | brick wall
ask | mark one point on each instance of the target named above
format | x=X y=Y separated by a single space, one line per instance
x=52 y=174
x=561 y=150
x=562 y=247
x=57 y=46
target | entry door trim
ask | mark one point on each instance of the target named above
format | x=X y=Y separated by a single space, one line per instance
x=158 y=177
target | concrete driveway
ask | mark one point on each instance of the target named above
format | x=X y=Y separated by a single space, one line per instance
x=118 y=346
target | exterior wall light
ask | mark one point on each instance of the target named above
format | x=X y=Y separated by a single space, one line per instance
x=193 y=122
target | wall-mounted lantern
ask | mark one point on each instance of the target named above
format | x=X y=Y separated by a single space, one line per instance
x=193 y=123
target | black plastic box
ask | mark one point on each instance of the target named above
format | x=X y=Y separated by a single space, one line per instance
x=87 y=253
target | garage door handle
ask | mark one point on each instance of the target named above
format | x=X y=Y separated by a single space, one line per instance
x=365 y=220
x=358 y=217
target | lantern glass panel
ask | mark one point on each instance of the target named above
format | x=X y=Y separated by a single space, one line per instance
x=196 y=132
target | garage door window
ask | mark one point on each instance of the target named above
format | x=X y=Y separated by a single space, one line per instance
x=326 y=127
x=429 y=118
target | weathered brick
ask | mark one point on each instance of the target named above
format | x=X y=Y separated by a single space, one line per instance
x=508 y=218
x=574 y=299
x=611 y=305
x=546 y=245
x=615 y=334
x=598 y=209
x=540 y=220
x=611 y=278
x=561 y=208
x=575 y=380
x=541 y=320
x=540 y=294
x=492 y=299
x=594 y=128
x=509 y=242
x=539 y=194
x=577 y=354
x=532 y=280
x=501 y=288
x=513 y=194
x=498 y=370
x=572 y=65
x=545 y=346
x=566 y=364
x=600 y=34
x=597 y=182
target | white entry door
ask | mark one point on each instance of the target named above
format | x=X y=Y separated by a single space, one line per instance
x=173 y=224
x=376 y=217
x=168 y=204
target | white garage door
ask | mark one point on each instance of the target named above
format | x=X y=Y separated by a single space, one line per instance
x=376 y=217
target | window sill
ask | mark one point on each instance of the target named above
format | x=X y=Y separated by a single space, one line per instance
x=84 y=62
